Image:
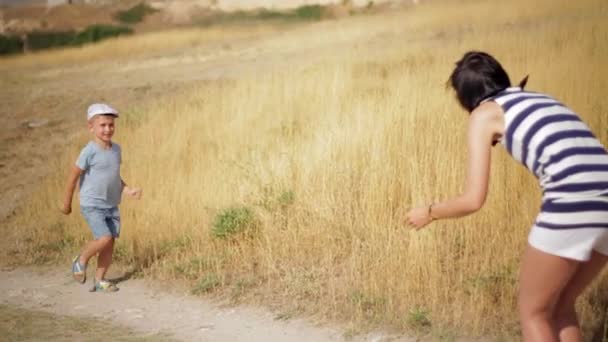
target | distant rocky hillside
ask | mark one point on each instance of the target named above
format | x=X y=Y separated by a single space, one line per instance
x=227 y=5
x=19 y=16
x=230 y=5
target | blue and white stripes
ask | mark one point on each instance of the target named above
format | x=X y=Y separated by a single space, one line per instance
x=562 y=152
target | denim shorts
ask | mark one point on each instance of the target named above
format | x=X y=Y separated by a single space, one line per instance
x=102 y=221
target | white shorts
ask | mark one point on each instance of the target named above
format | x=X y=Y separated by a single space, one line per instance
x=577 y=243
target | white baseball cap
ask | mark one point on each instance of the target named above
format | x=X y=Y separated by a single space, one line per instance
x=100 y=108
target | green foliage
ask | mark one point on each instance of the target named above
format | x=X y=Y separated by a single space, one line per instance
x=418 y=319
x=309 y=12
x=193 y=268
x=48 y=250
x=241 y=286
x=286 y=198
x=206 y=284
x=121 y=252
x=135 y=14
x=10 y=45
x=302 y=13
x=225 y=18
x=266 y=14
x=233 y=221
x=273 y=202
x=52 y=247
x=180 y=243
x=40 y=40
x=95 y=33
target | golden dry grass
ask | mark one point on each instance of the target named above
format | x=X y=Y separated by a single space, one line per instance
x=353 y=141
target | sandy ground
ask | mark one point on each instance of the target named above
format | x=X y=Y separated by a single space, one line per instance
x=150 y=311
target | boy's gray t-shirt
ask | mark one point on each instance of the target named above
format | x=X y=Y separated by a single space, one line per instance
x=100 y=182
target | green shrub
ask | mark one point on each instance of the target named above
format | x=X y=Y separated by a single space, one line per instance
x=10 y=44
x=418 y=319
x=309 y=12
x=286 y=198
x=135 y=14
x=302 y=13
x=265 y=14
x=206 y=284
x=40 y=40
x=95 y=33
x=231 y=17
x=233 y=221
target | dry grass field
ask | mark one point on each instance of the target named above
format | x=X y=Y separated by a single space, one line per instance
x=287 y=186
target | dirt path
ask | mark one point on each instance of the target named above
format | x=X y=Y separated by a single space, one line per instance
x=149 y=311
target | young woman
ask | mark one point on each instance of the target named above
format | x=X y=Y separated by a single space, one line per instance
x=568 y=244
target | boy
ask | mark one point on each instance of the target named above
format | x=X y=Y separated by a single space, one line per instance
x=98 y=169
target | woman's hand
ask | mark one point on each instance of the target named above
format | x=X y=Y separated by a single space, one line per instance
x=419 y=217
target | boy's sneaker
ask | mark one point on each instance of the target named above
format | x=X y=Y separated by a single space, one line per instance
x=79 y=271
x=104 y=286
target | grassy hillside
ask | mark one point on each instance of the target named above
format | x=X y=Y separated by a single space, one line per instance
x=315 y=166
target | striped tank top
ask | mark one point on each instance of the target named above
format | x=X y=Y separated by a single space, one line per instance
x=570 y=163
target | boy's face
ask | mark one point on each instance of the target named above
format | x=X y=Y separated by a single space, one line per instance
x=102 y=127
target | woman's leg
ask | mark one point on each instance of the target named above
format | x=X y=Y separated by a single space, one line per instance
x=542 y=279
x=564 y=316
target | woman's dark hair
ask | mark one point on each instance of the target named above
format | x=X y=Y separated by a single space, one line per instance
x=477 y=76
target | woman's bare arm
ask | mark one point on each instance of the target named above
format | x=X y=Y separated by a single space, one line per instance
x=484 y=124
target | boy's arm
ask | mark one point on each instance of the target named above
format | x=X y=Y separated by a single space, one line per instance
x=75 y=173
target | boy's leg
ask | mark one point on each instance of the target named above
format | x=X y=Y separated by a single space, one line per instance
x=542 y=279
x=112 y=221
x=105 y=225
x=94 y=247
x=104 y=260
x=566 y=322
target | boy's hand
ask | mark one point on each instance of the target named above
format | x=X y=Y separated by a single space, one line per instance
x=133 y=192
x=66 y=209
